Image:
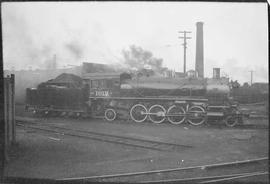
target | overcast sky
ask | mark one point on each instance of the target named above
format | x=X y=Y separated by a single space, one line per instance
x=235 y=34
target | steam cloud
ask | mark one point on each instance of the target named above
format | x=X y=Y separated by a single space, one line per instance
x=75 y=48
x=137 y=58
x=25 y=46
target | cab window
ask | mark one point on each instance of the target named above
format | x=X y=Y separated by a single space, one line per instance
x=101 y=83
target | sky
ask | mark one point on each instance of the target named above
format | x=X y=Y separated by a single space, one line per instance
x=235 y=34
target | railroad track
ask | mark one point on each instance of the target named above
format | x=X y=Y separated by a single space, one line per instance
x=211 y=173
x=115 y=139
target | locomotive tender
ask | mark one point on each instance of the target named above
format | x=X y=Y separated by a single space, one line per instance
x=140 y=98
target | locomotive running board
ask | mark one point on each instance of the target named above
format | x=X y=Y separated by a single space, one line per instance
x=151 y=98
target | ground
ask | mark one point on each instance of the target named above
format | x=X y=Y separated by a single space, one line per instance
x=47 y=155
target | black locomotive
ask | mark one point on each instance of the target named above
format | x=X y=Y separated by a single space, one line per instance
x=138 y=97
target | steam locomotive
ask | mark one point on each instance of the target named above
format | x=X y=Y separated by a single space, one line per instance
x=137 y=97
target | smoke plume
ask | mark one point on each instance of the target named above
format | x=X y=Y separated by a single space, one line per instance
x=75 y=48
x=137 y=58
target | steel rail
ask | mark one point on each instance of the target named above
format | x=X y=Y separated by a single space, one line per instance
x=207 y=178
x=253 y=126
x=94 y=138
x=116 y=136
x=170 y=170
x=125 y=137
x=108 y=138
x=236 y=177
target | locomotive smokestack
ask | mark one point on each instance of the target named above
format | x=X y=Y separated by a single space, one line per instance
x=199 y=66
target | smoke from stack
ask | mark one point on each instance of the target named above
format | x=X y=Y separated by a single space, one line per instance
x=138 y=58
x=75 y=48
x=199 y=66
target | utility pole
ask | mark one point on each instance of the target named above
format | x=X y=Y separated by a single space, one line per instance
x=251 y=77
x=185 y=46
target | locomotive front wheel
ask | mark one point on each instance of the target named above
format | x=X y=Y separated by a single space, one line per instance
x=196 y=115
x=157 y=113
x=138 y=113
x=230 y=121
x=110 y=114
x=176 y=114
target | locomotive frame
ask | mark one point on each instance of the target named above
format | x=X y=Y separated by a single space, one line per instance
x=193 y=111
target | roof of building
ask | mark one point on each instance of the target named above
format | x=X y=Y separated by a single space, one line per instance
x=66 y=78
x=102 y=75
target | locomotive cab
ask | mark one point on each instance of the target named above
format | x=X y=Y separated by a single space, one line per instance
x=102 y=87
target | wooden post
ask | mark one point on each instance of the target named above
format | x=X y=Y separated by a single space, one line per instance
x=9 y=114
x=13 y=108
x=6 y=107
x=9 y=111
x=185 y=47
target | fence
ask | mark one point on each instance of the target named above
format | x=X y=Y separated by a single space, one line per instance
x=9 y=112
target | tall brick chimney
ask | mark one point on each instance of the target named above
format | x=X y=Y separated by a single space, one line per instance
x=199 y=66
